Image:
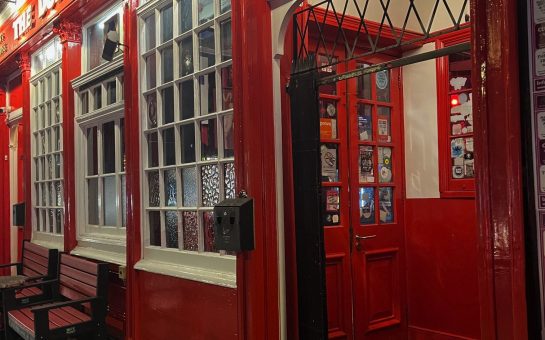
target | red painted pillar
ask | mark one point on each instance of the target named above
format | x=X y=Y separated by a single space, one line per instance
x=5 y=225
x=499 y=175
x=24 y=66
x=70 y=34
x=20 y=183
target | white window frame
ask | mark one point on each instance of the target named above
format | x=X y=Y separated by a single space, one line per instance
x=44 y=238
x=213 y=268
x=103 y=243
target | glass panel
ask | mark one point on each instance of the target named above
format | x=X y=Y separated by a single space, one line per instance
x=327 y=70
x=186 y=17
x=187 y=99
x=110 y=203
x=226 y=41
x=59 y=220
x=460 y=71
x=188 y=143
x=206 y=48
x=209 y=141
x=189 y=178
x=95 y=39
x=166 y=23
x=331 y=200
x=469 y=168
x=122 y=141
x=52 y=194
x=364 y=84
x=367 y=206
x=168 y=105
x=385 y=165
x=37 y=214
x=386 y=203
x=208 y=219
x=56 y=139
x=92 y=151
x=229 y=177
x=153 y=189
x=225 y=5
x=366 y=162
x=57 y=111
x=384 y=122
x=97 y=98
x=171 y=229
x=51 y=224
x=58 y=194
x=207 y=93
x=44 y=194
x=151 y=71
x=154 y=228
x=123 y=201
x=186 y=56
x=382 y=81
x=84 y=102
x=108 y=147
x=167 y=63
x=170 y=188
x=328 y=119
x=57 y=158
x=49 y=167
x=152 y=110
x=227 y=88
x=365 y=122
x=330 y=167
x=169 y=147
x=462 y=158
x=150 y=32
x=228 y=136
x=191 y=230
x=92 y=194
x=206 y=10
x=461 y=113
x=153 y=150
x=210 y=185
x=111 y=92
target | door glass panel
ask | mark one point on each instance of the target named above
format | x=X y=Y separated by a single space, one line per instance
x=155 y=228
x=364 y=85
x=327 y=70
x=108 y=151
x=328 y=119
x=153 y=150
x=385 y=165
x=209 y=141
x=166 y=23
x=169 y=148
x=386 y=203
x=367 y=205
x=384 y=122
x=365 y=122
x=331 y=198
x=187 y=132
x=171 y=229
x=170 y=188
x=330 y=165
x=92 y=196
x=382 y=82
x=190 y=231
x=366 y=164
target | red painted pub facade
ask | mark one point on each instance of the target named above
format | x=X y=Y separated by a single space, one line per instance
x=122 y=162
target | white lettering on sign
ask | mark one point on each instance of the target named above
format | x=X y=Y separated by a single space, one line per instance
x=23 y=23
x=44 y=6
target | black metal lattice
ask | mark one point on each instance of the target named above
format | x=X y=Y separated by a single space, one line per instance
x=328 y=18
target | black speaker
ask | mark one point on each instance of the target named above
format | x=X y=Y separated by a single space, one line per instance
x=19 y=214
x=109 y=50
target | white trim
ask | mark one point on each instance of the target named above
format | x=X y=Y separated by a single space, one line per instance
x=98 y=72
x=14 y=117
x=101 y=250
x=52 y=241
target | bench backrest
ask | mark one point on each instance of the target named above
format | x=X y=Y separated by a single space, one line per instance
x=80 y=278
x=38 y=261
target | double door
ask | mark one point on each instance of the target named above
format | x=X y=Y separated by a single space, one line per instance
x=362 y=197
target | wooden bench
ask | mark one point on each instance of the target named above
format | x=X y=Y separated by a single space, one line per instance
x=77 y=309
x=37 y=263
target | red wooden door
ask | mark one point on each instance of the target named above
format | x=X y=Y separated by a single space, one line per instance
x=362 y=189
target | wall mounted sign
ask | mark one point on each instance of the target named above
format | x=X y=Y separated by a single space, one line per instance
x=536 y=31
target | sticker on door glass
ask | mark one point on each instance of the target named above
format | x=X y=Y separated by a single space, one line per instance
x=539 y=11
x=382 y=80
x=332 y=202
x=461 y=114
x=385 y=164
x=366 y=163
x=365 y=122
x=367 y=205
x=386 y=203
x=329 y=163
x=384 y=124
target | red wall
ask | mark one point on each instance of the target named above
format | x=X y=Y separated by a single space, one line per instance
x=173 y=308
x=16 y=93
x=442 y=277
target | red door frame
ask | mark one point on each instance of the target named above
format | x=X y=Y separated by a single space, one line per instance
x=499 y=174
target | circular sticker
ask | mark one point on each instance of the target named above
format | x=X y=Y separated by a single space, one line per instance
x=382 y=79
x=386 y=174
x=331 y=110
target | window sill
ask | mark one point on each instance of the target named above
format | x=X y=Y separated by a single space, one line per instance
x=48 y=240
x=111 y=250
x=207 y=268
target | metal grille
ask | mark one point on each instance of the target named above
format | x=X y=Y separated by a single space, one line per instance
x=366 y=27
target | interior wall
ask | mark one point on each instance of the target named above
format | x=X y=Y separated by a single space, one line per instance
x=441 y=234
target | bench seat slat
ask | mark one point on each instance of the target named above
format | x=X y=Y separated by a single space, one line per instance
x=36 y=249
x=79 y=275
x=41 y=260
x=29 y=264
x=27 y=292
x=80 y=264
x=77 y=286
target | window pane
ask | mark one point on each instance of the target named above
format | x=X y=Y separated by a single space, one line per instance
x=365 y=122
x=209 y=141
x=84 y=102
x=59 y=219
x=366 y=164
x=460 y=71
x=364 y=84
x=153 y=189
x=367 y=206
x=331 y=203
x=152 y=110
x=169 y=147
x=150 y=32
x=96 y=35
x=92 y=151
x=330 y=167
x=328 y=119
x=153 y=150
x=206 y=10
x=168 y=105
x=385 y=164
x=108 y=147
x=58 y=194
x=111 y=93
x=154 y=228
x=171 y=228
x=226 y=42
x=122 y=141
x=186 y=56
x=187 y=99
x=56 y=138
x=123 y=201
x=110 y=203
x=208 y=219
x=386 y=202
x=50 y=222
x=191 y=231
x=189 y=179
x=92 y=196
x=151 y=78
x=384 y=122
x=186 y=20
x=166 y=23
x=207 y=93
x=58 y=164
x=57 y=111
x=210 y=185
x=227 y=88
x=229 y=177
x=97 y=98
x=206 y=48
x=188 y=143
x=166 y=60
x=382 y=80
x=225 y=5
x=228 y=136
x=170 y=188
